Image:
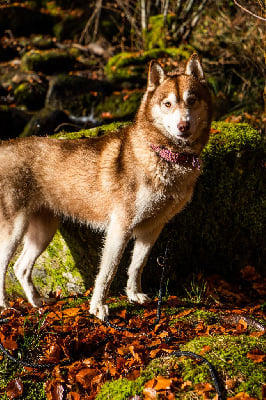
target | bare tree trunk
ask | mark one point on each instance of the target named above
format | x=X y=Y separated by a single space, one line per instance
x=143 y=20
x=95 y=15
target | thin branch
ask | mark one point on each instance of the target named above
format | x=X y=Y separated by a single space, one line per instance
x=248 y=11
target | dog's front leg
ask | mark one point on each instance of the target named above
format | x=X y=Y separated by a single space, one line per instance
x=143 y=245
x=115 y=244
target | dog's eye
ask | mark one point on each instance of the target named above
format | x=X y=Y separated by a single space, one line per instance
x=167 y=104
x=191 y=100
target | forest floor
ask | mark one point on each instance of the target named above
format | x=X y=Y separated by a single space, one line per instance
x=212 y=310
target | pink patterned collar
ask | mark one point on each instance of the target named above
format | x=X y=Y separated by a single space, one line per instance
x=177 y=158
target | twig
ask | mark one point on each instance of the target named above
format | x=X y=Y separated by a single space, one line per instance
x=248 y=11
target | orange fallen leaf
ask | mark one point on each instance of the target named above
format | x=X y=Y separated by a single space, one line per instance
x=71 y=312
x=256 y=355
x=138 y=352
x=214 y=131
x=230 y=383
x=242 y=325
x=9 y=344
x=242 y=396
x=156 y=385
x=73 y=396
x=205 y=349
x=85 y=375
x=202 y=388
x=14 y=388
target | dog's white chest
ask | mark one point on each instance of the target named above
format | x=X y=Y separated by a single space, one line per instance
x=147 y=203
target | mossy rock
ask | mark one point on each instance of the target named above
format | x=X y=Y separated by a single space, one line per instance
x=31 y=94
x=227 y=354
x=76 y=94
x=43 y=42
x=24 y=21
x=48 y=61
x=119 y=106
x=222 y=228
x=86 y=133
x=132 y=66
x=44 y=122
x=12 y=122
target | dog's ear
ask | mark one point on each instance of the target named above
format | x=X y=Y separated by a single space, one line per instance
x=194 y=68
x=156 y=75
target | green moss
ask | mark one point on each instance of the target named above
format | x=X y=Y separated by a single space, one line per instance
x=118 y=107
x=195 y=317
x=130 y=66
x=97 y=131
x=156 y=34
x=47 y=61
x=31 y=94
x=227 y=354
x=56 y=269
x=43 y=42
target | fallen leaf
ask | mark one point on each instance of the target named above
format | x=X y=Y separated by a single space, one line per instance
x=73 y=396
x=156 y=385
x=242 y=325
x=214 y=131
x=85 y=375
x=242 y=396
x=230 y=384
x=256 y=355
x=9 y=344
x=71 y=312
x=138 y=352
x=202 y=388
x=54 y=390
x=205 y=349
x=14 y=388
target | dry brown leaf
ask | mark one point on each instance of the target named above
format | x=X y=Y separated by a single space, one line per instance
x=85 y=375
x=14 y=388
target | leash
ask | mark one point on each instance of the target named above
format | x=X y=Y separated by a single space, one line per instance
x=162 y=262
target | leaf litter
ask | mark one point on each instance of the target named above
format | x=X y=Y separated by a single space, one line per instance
x=99 y=354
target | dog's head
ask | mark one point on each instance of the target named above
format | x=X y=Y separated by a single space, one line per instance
x=179 y=105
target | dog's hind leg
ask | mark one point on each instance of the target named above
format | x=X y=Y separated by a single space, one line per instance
x=41 y=229
x=143 y=245
x=11 y=234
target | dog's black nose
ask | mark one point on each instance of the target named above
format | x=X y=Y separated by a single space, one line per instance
x=183 y=126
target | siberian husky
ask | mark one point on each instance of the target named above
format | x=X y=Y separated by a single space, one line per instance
x=128 y=183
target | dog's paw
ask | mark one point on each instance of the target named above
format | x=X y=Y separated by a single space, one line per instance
x=99 y=310
x=140 y=298
x=4 y=305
